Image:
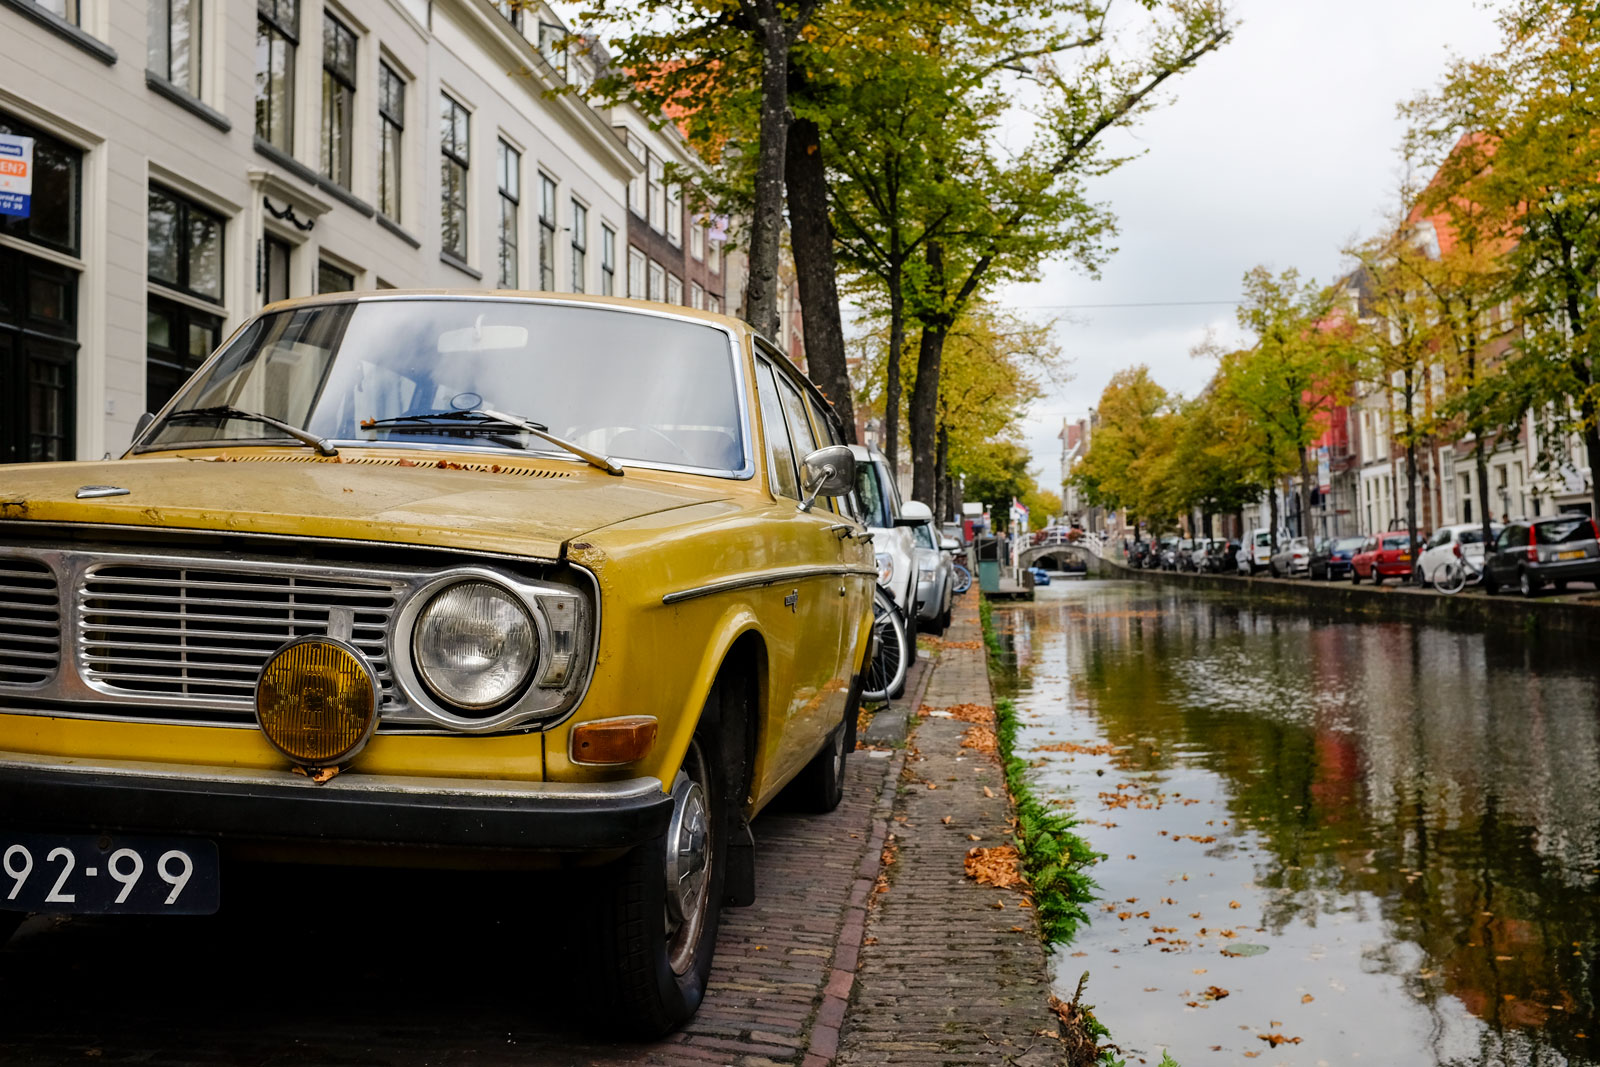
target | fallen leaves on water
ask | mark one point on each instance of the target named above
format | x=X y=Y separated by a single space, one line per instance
x=1215 y=992
x=999 y=866
x=1278 y=1039
x=1077 y=749
x=1234 y=904
x=1307 y=999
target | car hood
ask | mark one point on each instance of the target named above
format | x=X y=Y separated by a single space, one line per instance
x=466 y=501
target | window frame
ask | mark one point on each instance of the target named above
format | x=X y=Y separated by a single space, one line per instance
x=186 y=208
x=580 y=246
x=608 y=260
x=508 y=181
x=391 y=121
x=454 y=154
x=289 y=32
x=338 y=84
x=326 y=266
x=548 y=191
x=194 y=83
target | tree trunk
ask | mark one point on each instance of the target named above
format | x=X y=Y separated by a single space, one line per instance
x=897 y=347
x=925 y=412
x=811 y=236
x=1272 y=525
x=1411 y=498
x=1591 y=446
x=1481 y=462
x=766 y=221
x=1305 y=493
x=941 y=502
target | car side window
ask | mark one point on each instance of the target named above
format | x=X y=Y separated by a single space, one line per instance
x=780 y=452
x=827 y=434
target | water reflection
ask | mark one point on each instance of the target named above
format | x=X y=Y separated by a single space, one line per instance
x=1402 y=818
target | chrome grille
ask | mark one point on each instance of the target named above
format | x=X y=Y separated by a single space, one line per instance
x=30 y=622
x=205 y=632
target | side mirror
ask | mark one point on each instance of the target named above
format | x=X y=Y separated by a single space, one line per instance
x=144 y=420
x=828 y=471
x=949 y=544
x=913 y=513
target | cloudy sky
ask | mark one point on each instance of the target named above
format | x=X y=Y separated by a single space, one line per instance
x=1278 y=150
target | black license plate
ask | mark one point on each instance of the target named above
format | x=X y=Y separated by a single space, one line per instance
x=100 y=875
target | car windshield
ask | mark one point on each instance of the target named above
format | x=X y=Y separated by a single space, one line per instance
x=1348 y=544
x=1474 y=535
x=1394 y=541
x=924 y=536
x=874 y=506
x=628 y=385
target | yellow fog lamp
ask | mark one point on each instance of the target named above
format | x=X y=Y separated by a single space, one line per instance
x=316 y=701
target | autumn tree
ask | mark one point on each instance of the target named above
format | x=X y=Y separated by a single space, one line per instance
x=1515 y=135
x=1115 y=472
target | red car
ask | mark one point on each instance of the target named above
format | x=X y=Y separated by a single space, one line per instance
x=1385 y=555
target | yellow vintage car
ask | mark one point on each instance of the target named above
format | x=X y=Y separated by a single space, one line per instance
x=440 y=579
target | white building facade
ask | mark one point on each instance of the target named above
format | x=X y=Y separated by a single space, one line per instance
x=196 y=159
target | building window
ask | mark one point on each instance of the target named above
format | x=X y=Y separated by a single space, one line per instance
x=185 y=254
x=697 y=239
x=580 y=247
x=675 y=214
x=551 y=38
x=175 y=42
x=674 y=289
x=697 y=296
x=636 y=273
x=455 y=128
x=714 y=259
x=67 y=10
x=714 y=303
x=510 y=12
x=658 y=280
x=185 y=245
x=53 y=218
x=277 y=35
x=338 y=99
x=547 y=233
x=510 y=166
x=655 y=193
x=391 y=124
x=608 y=261
x=275 y=254
x=636 y=183
x=331 y=279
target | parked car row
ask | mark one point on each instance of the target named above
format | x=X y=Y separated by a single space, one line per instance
x=1528 y=555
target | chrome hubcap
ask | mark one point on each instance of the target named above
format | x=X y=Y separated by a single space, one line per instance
x=688 y=863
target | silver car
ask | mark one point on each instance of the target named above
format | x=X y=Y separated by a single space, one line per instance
x=935 y=583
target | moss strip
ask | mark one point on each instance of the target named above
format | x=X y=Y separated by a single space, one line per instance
x=1054 y=857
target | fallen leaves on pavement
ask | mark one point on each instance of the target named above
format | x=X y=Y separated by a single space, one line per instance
x=981 y=713
x=999 y=866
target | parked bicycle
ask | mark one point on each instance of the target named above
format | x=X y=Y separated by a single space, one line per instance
x=892 y=650
x=1456 y=573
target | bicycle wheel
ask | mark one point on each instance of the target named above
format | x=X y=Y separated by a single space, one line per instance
x=960 y=577
x=1450 y=578
x=887 y=671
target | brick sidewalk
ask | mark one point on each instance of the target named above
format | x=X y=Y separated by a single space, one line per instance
x=952 y=972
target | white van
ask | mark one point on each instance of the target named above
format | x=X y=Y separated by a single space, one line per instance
x=1256 y=552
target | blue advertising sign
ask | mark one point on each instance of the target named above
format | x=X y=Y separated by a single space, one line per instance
x=16 y=175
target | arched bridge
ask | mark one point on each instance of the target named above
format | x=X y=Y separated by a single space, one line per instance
x=1063 y=549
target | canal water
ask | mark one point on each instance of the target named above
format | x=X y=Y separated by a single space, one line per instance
x=1326 y=841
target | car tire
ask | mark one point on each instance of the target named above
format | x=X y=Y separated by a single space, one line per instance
x=1527 y=584
x=820 y=786
x=1491 y=585
x=1377 y=575
x=654 y=948
x=1355 y=575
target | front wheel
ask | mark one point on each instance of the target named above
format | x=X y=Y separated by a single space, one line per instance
x=1527 y=584
x=886 y=673
x=961 y=577
x=1450 y=578
x=657 y=908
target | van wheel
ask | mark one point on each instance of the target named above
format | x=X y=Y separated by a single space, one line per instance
x=1527 y=584
x=657 y=908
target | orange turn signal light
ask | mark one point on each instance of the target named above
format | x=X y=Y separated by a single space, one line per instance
x=613 y=740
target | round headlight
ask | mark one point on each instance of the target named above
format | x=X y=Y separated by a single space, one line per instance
x=316 y=701
x=474 y=645
x=885 y=568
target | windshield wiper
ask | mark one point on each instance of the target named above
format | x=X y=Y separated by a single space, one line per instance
x=228 y=411
x=486 y=419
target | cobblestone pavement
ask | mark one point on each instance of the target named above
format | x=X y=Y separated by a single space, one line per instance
x=418 y=969
x=951 y=972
